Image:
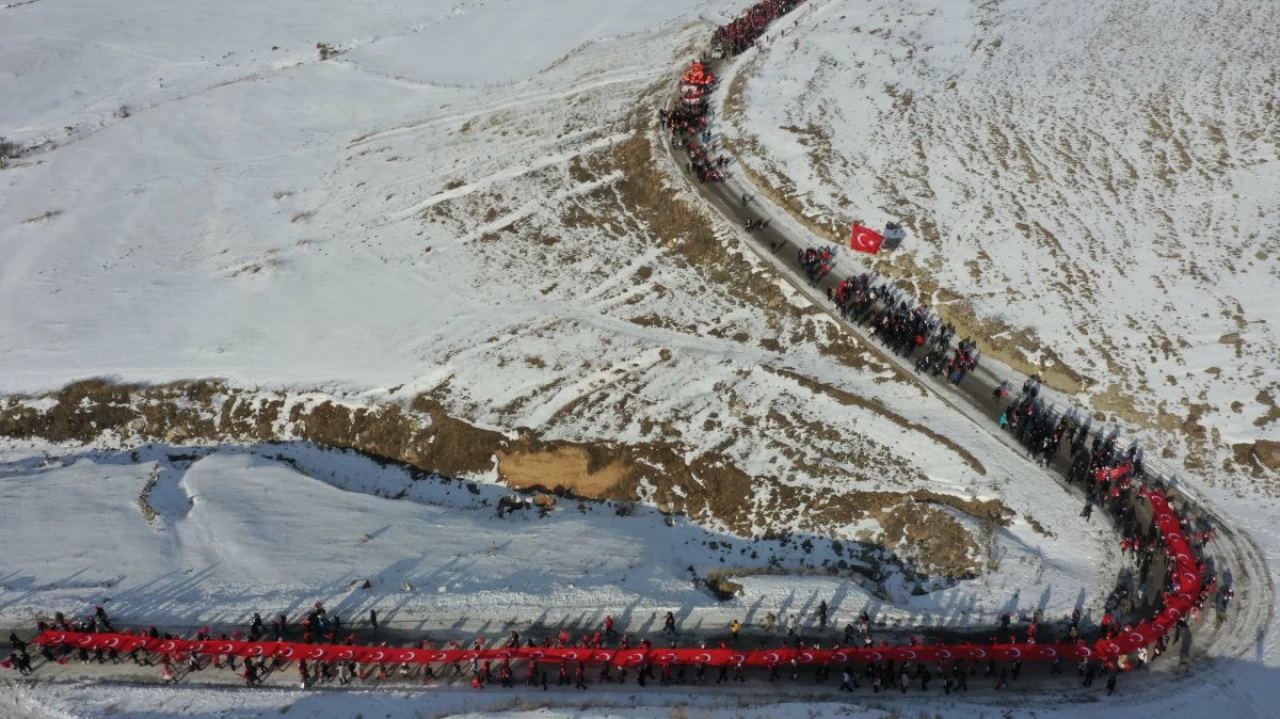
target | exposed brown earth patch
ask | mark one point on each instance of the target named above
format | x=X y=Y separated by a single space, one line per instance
x=1258 y=456
x=1266 y=399
x=914 y=525
x=682 y=228
x=563 y=468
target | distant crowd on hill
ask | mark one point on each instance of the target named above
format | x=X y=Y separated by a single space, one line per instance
x=741 y=33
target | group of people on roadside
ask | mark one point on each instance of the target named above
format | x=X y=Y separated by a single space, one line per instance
x=739 y=34
x=688 y=122
x=1114 y=479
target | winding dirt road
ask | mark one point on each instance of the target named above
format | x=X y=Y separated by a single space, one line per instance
x=1232 y=553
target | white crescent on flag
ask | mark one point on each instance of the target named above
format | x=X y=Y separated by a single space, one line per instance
x=865 y=239
x=702 y=658
x=944 y=654
x=315 y=653
x=85 y=641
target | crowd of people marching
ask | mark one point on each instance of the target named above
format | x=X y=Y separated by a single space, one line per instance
x=894 y=318
x=816 y=262
x=741 y=33
x=1113 y=478
x=688 y=122
x=951 y=675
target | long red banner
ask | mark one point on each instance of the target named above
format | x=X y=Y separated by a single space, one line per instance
x=1178 y=604
x=125 y=643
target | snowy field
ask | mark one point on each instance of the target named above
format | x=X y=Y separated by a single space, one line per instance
x=207 y=197
x=1089 y=187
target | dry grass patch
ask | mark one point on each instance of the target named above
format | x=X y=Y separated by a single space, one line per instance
x=1259 y=457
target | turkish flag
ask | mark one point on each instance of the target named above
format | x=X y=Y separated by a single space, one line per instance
x=865 y=239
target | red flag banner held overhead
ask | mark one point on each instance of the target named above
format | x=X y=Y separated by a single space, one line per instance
x=865 y=239
x=1179 y=604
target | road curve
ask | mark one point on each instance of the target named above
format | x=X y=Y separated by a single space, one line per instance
x=778 y=245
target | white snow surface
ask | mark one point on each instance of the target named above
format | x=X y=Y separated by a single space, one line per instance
x=207 y=218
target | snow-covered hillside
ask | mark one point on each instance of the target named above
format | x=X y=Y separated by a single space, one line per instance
x=1089 y=187
x=205 y=196
x=386 y=215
